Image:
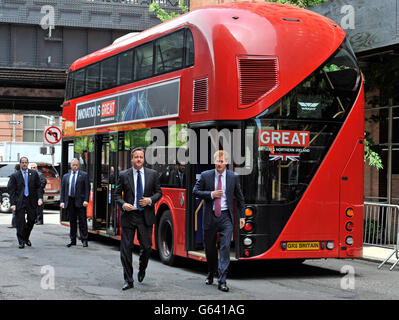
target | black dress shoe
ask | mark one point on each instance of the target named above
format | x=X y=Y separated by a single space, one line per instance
x=127 y=285
x=222 y=286
x=141 y=275
x=209 y=279
x=71 y=244
x=85 y=244
x=21 y=245
x=28 y=243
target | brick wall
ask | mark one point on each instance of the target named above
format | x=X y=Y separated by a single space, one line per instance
x=6 y=129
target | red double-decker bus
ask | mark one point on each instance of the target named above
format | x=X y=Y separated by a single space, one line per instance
x=277 y=86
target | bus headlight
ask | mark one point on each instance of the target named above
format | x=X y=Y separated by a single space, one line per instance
x=330 y=245
x=247 y=241
x=349 y=241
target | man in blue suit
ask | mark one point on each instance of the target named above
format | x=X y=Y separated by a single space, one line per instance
x=218 y=187
x=75 y=193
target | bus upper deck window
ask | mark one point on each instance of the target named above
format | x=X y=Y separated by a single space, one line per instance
x=108 y=73
x=143 y=61
x=189 y=48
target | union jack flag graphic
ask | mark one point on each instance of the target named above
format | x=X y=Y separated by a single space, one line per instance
x=284 y=157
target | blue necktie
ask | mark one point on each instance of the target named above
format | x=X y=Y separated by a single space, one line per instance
x=26 y=192
x=139 y=190
x=73 y=185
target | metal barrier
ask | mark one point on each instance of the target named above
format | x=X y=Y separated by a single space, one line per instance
x=381 y=227
x=380 y=224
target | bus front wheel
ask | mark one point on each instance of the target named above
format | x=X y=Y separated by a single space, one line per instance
x=165 y=238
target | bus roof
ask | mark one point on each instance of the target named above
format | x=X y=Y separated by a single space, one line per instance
x=275 y=13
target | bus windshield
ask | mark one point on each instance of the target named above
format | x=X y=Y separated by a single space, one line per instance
x=295 y=133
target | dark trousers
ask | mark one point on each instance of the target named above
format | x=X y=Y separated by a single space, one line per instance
x=224 y=226
x=25 y=226
x=39 y=217
x=75 y=214
x=144 y=235
x=13 y=220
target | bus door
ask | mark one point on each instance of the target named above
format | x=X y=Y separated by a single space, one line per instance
x=231 y=138
x=106 y=164
x=204 y=162
x=67 y=154
x=81 y=148
x=194 y=206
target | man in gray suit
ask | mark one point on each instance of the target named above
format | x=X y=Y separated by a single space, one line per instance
x=43 y=182
x=218 y=187
x=141 y=190
x=75 y=197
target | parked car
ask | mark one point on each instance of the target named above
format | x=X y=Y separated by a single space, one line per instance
x=51 y=191
x=6 y=170
x=53 y=187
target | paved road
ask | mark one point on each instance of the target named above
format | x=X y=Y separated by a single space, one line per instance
x=49 y=270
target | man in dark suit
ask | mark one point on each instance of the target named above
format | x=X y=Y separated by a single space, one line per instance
x=141 y=190
x=75 y=193
x=43 y=182
x=177 y=177
x=218 y=188
x=25 y=196
x=13 y=220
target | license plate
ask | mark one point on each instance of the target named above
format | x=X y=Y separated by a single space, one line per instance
x=303 y=245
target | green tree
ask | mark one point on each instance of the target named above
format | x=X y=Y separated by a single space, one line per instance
x=371 y=157
x=299 y=3
x=163 y=15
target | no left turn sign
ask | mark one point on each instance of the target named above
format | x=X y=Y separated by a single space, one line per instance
x=52 y=135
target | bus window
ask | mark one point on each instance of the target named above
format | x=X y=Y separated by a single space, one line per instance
x=80 y=151
x=93 y=78
x=125 y=67
x=69 y=86
x=169 y=52
x=189 y=49
x=143 y=61
x=327 y=94
x=79 y=83
x=108 y=73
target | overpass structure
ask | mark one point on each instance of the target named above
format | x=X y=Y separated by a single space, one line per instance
x=39 y=39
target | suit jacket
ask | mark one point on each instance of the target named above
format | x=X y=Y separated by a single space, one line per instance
x=206 y=184
x=125 y=186
x=43 y=181
x=82 y=189
x=174 y=179
x=16 y=188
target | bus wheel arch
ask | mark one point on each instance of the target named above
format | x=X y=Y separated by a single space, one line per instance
x=165 y=236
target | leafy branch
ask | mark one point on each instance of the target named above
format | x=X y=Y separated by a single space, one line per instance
x=163 y=15
x=371 y=157
x=299 y=3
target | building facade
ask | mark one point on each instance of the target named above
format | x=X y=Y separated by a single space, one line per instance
x=39 y=40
